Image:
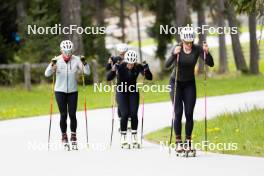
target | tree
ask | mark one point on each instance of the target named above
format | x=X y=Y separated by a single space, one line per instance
x=236 y=46
x=254 y=53
x=253 y=8
x=199 y=7
x=223 y=65
x=181 y=14
x=70 y=11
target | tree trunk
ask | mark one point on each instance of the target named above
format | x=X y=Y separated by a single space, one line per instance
x=223 y=67
x=236 y=46
x=100 y=40
x=122 y=20
x=71 y=15
x=202 y=37
x=181 y=14
x=254 y=55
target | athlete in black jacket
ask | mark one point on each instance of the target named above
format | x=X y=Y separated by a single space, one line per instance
x=127 y=94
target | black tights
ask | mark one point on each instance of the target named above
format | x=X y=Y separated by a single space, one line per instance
x=128 y=106
x=67 y=102
x=185 y=97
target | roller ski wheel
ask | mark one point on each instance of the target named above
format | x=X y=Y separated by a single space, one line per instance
x=136 y=146
x=190 y=153
x=74 y=141
x=65 y=142
x=125 y=146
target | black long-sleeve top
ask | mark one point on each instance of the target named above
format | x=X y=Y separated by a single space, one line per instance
x=187 y=63
x=128 y=77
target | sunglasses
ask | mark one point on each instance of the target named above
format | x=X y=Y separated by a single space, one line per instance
x=188 y=43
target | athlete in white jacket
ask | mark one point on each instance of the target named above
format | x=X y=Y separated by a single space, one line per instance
x=67 y=68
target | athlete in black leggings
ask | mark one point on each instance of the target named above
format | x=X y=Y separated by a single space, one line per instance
x=127 y=94
x=186 y=88
x=66 y=69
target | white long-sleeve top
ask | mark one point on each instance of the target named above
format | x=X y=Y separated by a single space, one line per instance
x=66 y=73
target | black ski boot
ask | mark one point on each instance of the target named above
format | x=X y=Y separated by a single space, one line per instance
x=74 y=141
x=65 y=142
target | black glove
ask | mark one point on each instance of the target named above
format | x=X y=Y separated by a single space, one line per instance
x=145 y=65
x=53 y=61
x=83 y=60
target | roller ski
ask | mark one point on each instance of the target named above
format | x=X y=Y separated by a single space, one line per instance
x=65 y=142
x=123 y=142
x=134 y=140
x=179 y=150
x=189 y=151
x=74 y=141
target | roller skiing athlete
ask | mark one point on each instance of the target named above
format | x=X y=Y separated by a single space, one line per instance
x=121 y=49
x=127 y=94
x=66 y=67
x=183 y=88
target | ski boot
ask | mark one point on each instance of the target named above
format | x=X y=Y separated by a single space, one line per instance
x=74 y=141
x=134 y=140
x=189 y=151
x=179 y=147
x=65 y=142
x=124 y=143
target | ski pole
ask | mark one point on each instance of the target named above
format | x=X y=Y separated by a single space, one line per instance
x=205 y=101
x=113 y=112
x=174 y=98
x=51 y=102
x=143 y=110
x=85 y=107
x=113 y=115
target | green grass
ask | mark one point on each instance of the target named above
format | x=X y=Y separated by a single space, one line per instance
x=243 y=128
x=230 y=57
x=17 y=102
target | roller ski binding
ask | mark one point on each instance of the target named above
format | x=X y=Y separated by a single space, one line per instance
x=74 y=141
x=65 y=142
x=189 y=151
x=124 y=143
x=179 y=148
x=134 y=140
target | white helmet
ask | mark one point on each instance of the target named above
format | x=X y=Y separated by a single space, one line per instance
x=187 y=34
x=122 y=47
x=130 y=57
x=66 y=45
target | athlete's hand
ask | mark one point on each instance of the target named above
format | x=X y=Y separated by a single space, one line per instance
x=205 y=47
x=145 y=65
x=110 y=60
x=83 y=60
x=177 y=50
x=54 y=68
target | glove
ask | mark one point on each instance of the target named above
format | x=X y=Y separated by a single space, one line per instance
x=53 y=61
x=83 y=60
x=115 y=67
x=145 y=65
